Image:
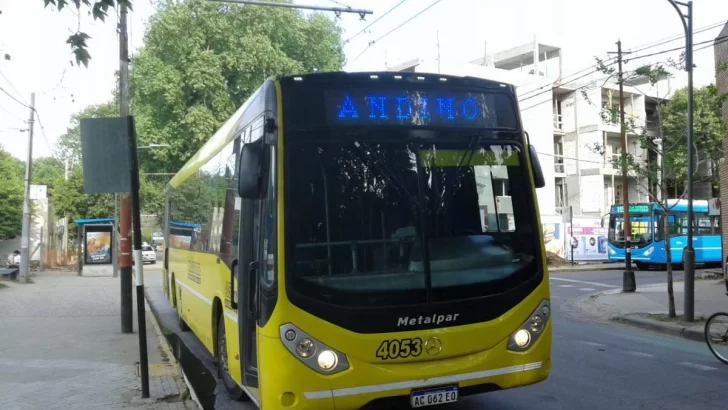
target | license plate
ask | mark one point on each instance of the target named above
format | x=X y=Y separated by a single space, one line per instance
x=432 y=397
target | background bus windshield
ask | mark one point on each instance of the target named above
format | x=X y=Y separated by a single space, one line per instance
x=641 y=227
x=368 y=222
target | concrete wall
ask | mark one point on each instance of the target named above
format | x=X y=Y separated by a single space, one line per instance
x=721 y=80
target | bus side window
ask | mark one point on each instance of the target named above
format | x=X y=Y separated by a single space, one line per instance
x=673 y=228
x=660 y=231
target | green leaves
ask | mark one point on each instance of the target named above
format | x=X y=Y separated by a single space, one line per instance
x=11 y=195
x=99 y=11
x=202 y=61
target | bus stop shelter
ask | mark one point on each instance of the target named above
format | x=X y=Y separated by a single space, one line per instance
x=95 y=242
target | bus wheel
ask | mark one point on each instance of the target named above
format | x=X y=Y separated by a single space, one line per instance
x=223 y=371
x=641 y=266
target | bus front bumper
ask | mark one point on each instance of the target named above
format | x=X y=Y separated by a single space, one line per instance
x=292 y=385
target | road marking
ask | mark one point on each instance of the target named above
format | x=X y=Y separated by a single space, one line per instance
x=566 y=286
x=641 y=354
x=583 y=282
x=698 y=366
x=595 y=344
x=586 y=289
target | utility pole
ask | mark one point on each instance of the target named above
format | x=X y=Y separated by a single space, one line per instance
x=127 y=319
x=25 y=239
x=629 y=283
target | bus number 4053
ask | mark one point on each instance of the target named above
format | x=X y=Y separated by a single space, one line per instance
x=399 y=348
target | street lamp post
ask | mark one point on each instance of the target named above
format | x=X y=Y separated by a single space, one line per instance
x=689 y=251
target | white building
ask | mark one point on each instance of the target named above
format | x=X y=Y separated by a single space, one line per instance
x=577 y=147
x=568 y=124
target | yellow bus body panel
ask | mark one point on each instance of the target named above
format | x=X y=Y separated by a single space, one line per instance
x=195 y=306
x=471 y=355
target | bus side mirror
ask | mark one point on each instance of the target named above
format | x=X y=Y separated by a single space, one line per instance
x=536 y=166
x=253 y=171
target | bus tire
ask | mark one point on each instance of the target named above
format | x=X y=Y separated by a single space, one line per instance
x=641 y=266
x=223 y=372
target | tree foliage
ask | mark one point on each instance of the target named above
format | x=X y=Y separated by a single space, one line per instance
x=69 y=199
x=99 y=9
x=202 y=60
x=11 y=195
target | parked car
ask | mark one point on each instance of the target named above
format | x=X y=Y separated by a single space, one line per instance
x=148 y=254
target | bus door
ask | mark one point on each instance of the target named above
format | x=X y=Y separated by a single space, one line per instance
x=248 y=289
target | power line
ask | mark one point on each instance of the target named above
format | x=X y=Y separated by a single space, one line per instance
x=340 y=4
x=717 y=41
x=393 y=30
x=15 y=99
x=679 y=36
x=13 y=86
x=642 y=48
x=374 y=22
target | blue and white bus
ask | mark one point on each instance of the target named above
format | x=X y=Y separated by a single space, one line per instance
x=648 y=235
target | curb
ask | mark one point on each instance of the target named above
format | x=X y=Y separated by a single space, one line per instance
x=581 y=268
x=185 y=390
x=666 y=328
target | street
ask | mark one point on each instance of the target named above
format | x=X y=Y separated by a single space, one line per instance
x=596 y=365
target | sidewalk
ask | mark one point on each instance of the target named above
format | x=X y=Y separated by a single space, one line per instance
x=648 y=306
x=61 y=347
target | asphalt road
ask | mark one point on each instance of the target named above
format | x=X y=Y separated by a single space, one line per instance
x=595 y=366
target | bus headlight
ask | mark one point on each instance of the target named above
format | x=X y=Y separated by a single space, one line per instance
x=311 y=352
x=649 y=251
x=527 y=334
x=327 y=360
x=305 y=348
x=612 y=251
x=522 y=338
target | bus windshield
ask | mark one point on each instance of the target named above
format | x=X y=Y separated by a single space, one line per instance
x=641 y=227
x=391 y=222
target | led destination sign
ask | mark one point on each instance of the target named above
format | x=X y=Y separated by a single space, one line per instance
x=636 y=209
x=420 y=108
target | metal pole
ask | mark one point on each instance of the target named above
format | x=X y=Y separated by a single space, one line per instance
x=25 y=239
x=138 y=261
x=115 y=237
x=689 y=252
x=337 y=10
x=127 y=314
x=628 y=280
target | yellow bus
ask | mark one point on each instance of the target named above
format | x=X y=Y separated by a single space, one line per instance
x=350 y=240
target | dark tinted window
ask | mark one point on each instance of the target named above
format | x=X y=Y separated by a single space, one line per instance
x=359 y=213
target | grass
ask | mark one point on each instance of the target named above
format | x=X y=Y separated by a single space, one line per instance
x=2 y=285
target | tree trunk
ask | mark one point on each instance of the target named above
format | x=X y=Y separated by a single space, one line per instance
x=670 y=294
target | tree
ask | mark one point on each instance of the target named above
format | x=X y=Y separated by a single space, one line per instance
x=667 y=162
x=11 y=196
x=47 y=171
x=202 y=60
x=69 y=199
x=99 y=9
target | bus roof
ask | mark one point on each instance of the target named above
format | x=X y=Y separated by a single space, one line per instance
x=674 y=205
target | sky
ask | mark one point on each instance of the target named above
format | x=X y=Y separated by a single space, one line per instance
x=35 y=38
